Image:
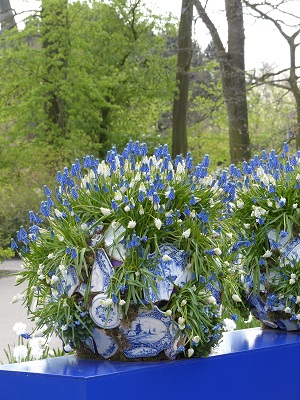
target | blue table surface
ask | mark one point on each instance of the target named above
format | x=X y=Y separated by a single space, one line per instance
x=254 y=339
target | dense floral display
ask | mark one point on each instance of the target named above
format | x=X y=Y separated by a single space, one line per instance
x=123 y=261
x=266 y=251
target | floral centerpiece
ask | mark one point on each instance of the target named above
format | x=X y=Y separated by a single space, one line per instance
x=122 y=262
x=266 y=250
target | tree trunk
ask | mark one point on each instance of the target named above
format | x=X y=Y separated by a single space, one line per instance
x=7 y=19
x=232 y=66
x=180 y=103
x=56 y=46
x=235 y=84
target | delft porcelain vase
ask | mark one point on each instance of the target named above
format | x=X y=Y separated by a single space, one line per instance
x=273 y=310
x=150 y=333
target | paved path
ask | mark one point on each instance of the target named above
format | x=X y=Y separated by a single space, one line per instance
x=12 y=313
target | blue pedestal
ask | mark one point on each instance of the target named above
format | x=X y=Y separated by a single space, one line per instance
x=248 y=364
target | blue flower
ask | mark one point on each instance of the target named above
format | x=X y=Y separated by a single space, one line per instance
x=180 y=349
x=186 y=210
x=75 y=195
x=283 y=234
x=156 y=198
x=73 y=253
x=47 y=191
x=114 y=205
x=13 y=244
x=193 y=200
x=234 y=317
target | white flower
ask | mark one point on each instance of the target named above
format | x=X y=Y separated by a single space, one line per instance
x=196 y=339
x=292 y=281
x=217 y=251
x=183 y=303
x=269 y=202
x=127 y=208
x=61 y=238
x=64 y=327
x=267 y=254
x=137 y=273
x=240 y=204
x=19 y=328
x=157 y=223
x=50 y=256
x=57 y=213
x=102 y=302
x=63 y=270
x=181 y=320
x=118 y=195
x=122 y=302
x=229 y=235
x=166 y=258
x=168 y=313
x=18 y=278
x=131 y=224
x=297 y=299
x=141 y=210
x=108 y=302
x=54 y=279
x=20 y=352
x=190 y=352
x=211 y=300
x=37 y=342
x=287 y=310
x=105 y=211
x=293 y=276
x=36 y=353
x=181 y=327
x=229 y=325
x=295 y=205
x=236 y=298
x=247 y=226
x=186 y=233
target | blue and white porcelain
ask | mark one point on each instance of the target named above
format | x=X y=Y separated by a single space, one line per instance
x=260 y=310
x=280 y=242
x=69 y=282
x=81 y=289
x=107 y=317
x=90 y=343
x=105 y=345
x=167 y=272
x=102 y=272
x=184 y=277
x=149 y=334
x=292 y=250
x=113 y=241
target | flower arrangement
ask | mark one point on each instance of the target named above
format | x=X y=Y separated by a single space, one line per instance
x=266 y=248
x=30 y=346
x=123 y=261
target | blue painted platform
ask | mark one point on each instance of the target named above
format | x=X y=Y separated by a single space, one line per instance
x=248 y=364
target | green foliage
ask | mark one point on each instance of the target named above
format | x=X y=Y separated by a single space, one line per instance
x=78 y=78
x=272 y=118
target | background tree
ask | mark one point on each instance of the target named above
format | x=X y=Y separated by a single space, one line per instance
x=76 y=80
x=232 y=66
x=284 y=17
x=7 y=19
x=180 y=104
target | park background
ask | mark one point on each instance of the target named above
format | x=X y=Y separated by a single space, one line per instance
x=78 y=77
